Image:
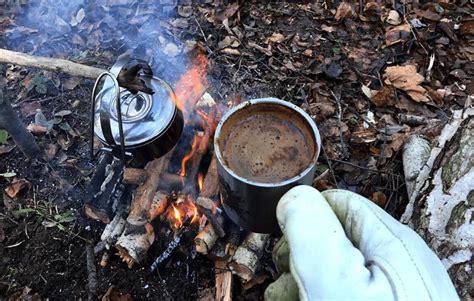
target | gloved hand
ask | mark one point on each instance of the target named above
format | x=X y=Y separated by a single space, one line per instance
x=340 y=246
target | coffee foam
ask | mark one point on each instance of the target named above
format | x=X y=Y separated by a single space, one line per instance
x=267 y=143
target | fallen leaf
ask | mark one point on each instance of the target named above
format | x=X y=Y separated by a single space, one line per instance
x=71 y=82
x=25 y=295
x=333 y=70
x=29 y=108
x=63 y=113
x=185 y=11
x=326 y=28
x=171 y=49
x=50 y=150
x=428 y=15
x=382 y=97
x=276 y=37
x=379 y=198
x=407 y=79
x=397 y=34
x=467 y=27
x=113 y=294
x=344 y=10
x=393 y=18
x=78 y=40
x=64 y=143
x=16 y=187
x=393 y=147
x=37 y=129
x=229 y=41
x=308 y=53
x=78 y=17
x=5 y=149
x=8 y=174
x=3 y=136
x=230 y=51
x=321 y=110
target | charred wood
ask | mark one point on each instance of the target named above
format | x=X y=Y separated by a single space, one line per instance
x=134 y=243
x=169 y=250
x=91 y=273
x=10 y=121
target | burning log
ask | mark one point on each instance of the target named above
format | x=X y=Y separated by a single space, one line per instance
x=134 y=176
x=204 y=201
x=134 y=242
x=158 y=205
x=247 y=256
x=139 y=213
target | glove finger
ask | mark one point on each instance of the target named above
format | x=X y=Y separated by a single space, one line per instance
x=284 y=288
x=281 y=255
x=323 y=261
x=413 y=269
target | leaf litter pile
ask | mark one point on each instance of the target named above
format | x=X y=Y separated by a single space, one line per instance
x=369 y=75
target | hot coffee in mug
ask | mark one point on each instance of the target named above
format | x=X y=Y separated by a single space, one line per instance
x=264 y=147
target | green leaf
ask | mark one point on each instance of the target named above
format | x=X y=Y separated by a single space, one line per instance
x=322 y=168
x=336 y=50
x=24 y=211
x=8 y=174
x=38 y=82
x=439 y=9
x=3 y=136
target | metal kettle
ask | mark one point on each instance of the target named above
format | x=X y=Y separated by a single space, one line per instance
x=134 y=124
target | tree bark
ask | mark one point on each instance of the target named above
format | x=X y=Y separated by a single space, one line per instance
x=441 y=205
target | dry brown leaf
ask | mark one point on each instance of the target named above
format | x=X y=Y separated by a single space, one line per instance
x=16 y=187
x=5 y=149
x=397 y=142
x=407 y=79
x=113 y=294
x=229 y=41
x=344 y=10
x=185 y=11
x=29 y=108
x=308 y=53
x=379 y=198
x=393 y=18
x=276 y=37
x=50 y=150
x=364 y=136
x=230 y=51
x=37 y=129
x=71 y=82
x=383 y=97
x=397 y=34
x=25 y=295
x=326 y=28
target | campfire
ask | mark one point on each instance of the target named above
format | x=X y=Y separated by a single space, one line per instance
x=177 y=192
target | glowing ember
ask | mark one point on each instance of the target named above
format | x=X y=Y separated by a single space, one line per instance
x=200 y=180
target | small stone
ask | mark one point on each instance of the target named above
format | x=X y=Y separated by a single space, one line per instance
x=333 y=70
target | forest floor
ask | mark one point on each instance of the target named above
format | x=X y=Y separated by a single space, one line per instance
x=370 y=76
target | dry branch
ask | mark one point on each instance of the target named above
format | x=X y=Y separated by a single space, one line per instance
x=51 y=64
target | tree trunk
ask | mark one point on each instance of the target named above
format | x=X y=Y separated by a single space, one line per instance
x=441 y=205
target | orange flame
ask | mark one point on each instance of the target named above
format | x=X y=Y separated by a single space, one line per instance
x=200 y=180
x=191 y=86
x=186 y=158
x=177 y=216
x=182 y=210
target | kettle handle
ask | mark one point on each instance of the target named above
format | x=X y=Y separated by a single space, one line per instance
x=105 y=119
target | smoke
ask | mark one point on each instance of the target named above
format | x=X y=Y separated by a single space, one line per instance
x=97 y=32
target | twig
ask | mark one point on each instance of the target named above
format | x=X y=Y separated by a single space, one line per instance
x=339 y=114
x=91 y=273
x=330 y=166
x=362 y=167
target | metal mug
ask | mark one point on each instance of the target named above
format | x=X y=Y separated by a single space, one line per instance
x=251 y=204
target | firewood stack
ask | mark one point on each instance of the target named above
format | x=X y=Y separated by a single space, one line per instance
x=130 y=227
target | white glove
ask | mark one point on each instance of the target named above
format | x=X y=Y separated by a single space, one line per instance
x=344 y=247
